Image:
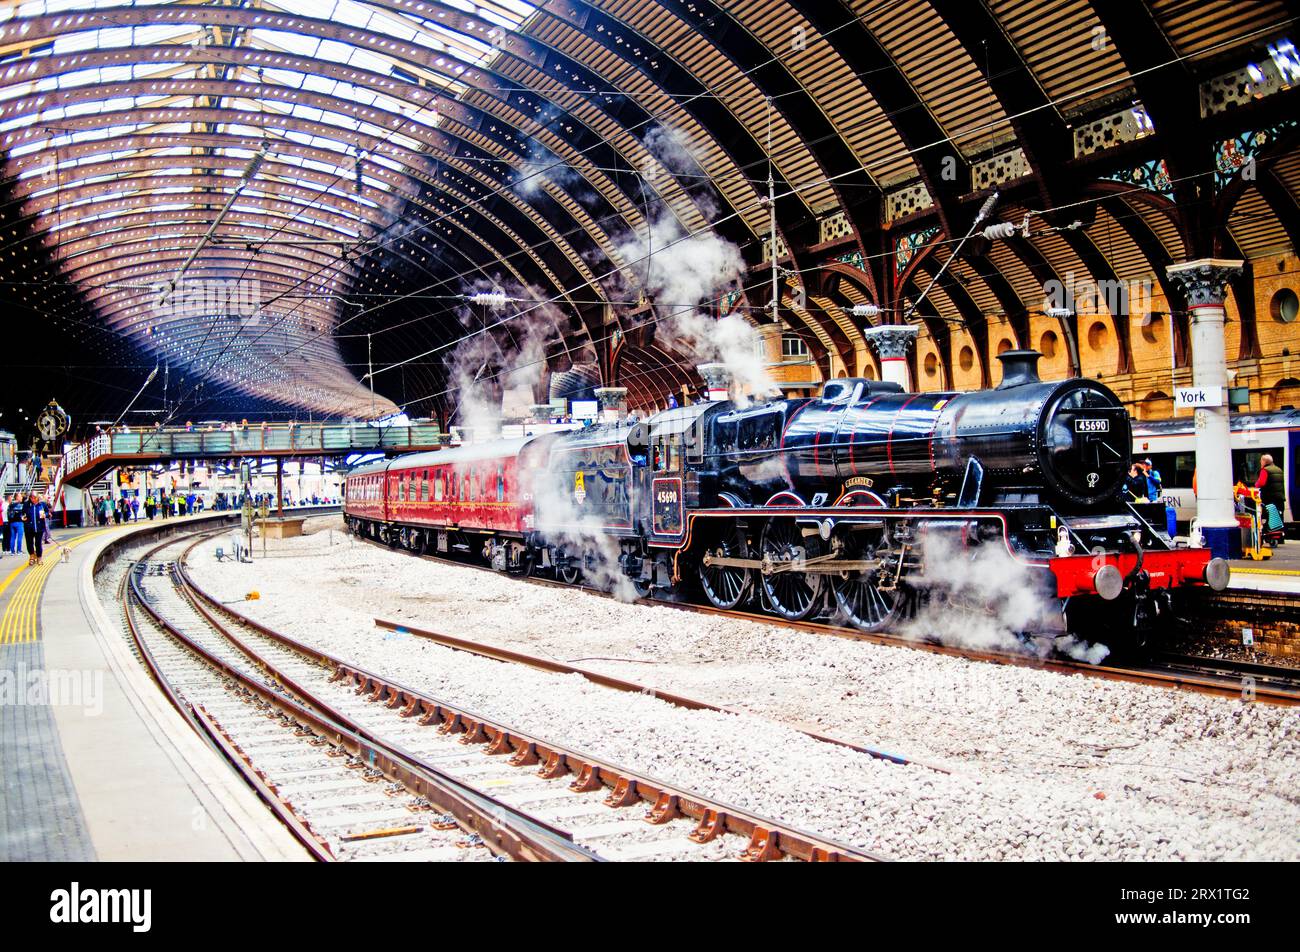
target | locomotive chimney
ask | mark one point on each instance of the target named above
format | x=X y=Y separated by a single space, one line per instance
x=717 y=381
x=1018 y=367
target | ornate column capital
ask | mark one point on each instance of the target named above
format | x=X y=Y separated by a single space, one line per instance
x=1205 y=281
x=891 y=340
x=717 y=380
x=611 y=398
x=612 y=402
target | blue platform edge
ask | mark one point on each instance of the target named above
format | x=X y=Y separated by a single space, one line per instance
x=1224 y=542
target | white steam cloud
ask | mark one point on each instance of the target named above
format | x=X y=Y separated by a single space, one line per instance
x=983 y=599
x=509 y=362
x=682 y=272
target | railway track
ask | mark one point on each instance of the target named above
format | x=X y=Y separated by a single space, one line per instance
x=381 y=770
x=1212 y=677
x=343 y=795
x=1253 y=674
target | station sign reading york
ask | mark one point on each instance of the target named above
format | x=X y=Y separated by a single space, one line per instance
x=1185 y=397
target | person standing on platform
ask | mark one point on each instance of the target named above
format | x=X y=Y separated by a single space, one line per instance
x=1271 y=482
x=1135 y=486
x=150 y=507
x=4 y=526
x=135 y=508
x=34 y=519
x=16 y=525
x=1155 y=485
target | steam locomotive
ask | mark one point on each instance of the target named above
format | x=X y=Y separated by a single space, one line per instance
x=848 y=506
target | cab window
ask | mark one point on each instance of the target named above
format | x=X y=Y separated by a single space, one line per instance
x=668 y=453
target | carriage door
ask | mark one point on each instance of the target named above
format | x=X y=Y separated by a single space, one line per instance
x=666 y=490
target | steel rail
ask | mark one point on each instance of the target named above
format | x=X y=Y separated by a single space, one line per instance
x=504 y=830
x=497 y=653
x=205 y=726
x=303 y=832
x=768 y=839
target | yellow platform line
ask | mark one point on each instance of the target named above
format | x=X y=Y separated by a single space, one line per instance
x=10 y=578
x=19 y=623
x=1254 y=571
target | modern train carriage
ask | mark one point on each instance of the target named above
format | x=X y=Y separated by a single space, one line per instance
x=846 y=506
x=1171 y=447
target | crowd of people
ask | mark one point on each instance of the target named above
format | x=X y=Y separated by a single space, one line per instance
x=162 y=504
x=25 y=520
x=127 y=508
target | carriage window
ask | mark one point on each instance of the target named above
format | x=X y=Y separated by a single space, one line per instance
x=474 y=486
x=424 y=486
x=1175 y=469
x=437 y=488
x=501 y=482
x=1245 y=463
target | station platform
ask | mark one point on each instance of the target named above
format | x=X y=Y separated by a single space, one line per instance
x=1279 y=574
x=94 y=763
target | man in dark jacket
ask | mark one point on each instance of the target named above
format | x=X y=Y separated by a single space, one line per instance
x=1270 y=483
x=34 y=517
x=1272 y=488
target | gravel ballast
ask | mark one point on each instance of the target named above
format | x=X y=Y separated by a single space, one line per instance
x=1044 y=766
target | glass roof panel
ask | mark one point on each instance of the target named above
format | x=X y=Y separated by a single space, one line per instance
x=311 y=184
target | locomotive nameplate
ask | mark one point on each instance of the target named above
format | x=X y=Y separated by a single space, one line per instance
x=1091 y=426
x=666 y=511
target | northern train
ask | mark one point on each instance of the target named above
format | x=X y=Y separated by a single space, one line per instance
x=1171 y=447
x=815 y=508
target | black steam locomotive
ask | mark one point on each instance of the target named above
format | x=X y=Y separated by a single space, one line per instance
x=852 y=506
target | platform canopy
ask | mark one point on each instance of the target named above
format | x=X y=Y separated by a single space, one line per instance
x=271 y=198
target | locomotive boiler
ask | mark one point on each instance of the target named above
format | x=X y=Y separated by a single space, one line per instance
x=1064 y=442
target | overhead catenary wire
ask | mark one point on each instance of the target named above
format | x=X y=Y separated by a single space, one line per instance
x=1007 y=119
x=553 y=299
